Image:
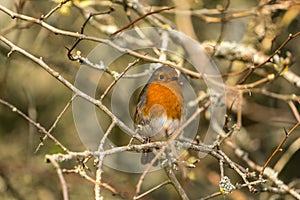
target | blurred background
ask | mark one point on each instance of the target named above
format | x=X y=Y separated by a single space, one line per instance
x=24 y=174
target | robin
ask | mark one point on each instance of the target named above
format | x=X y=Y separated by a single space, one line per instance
x=159 y=110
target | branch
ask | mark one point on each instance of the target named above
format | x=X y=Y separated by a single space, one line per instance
x=49 y=158
x=35 y=124
x=176 y=183
x=61 y=79
x=278 y=148
x=100 y=40
x=142 y=17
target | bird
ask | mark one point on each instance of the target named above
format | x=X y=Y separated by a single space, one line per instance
x=160 y=108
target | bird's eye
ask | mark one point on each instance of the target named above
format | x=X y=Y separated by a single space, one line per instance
x=161 y=76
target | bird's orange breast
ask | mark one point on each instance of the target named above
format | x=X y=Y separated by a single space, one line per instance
x=162 y=98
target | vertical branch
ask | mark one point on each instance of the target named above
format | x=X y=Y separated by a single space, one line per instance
x=226 y=4
x=99 y=170
x=60 y=175
x=176 y=183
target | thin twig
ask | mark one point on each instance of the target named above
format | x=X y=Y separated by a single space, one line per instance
x=221 y=164
x=283 y=97
x=36 y=124
x=152 y=189
x=100 y=40
x=270 y=77
x=146 y=171
x=70 y=56
x=272 y=175
x=78 y=92
x=79 y=170
x=211 y=196
x=53 y=10
x=118 y=77
x=284 y=159
x=55 y=123
x=236 y=169
x=223 y=21
x=294 y=111
x=142 y=17
x=101 y=157
x=176 y=183
x=250 y=71
x=278 y=148
x=60 y=175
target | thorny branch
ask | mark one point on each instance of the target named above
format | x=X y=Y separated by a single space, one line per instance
x=278 y=148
